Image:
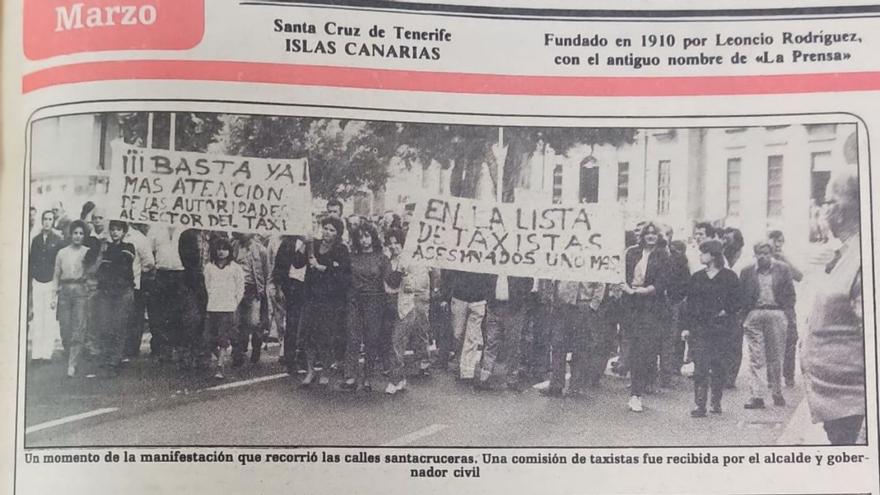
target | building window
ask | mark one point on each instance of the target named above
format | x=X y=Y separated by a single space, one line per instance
x=623 y=181
x=734 y=175
x=663 y=187
x=589 y=183
x=774 y=186
x=557 y=184
x=820 y=175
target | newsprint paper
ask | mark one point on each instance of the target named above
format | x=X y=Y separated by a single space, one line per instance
x=446 y=246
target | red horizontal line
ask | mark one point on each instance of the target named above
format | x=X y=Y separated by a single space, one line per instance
x=448 y=82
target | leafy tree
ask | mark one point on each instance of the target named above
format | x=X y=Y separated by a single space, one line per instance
x=466 y=148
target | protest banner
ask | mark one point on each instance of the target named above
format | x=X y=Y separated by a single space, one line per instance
x=210 y=191
x=579 y=242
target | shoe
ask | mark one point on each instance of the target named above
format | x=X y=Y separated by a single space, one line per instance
x=716 y=408
x=551 y=392
x=324 y=381
x=348 y=386
x=401 y=385
x=465 y=381
x=366 y=387
x=307 y=381
x=390 y=389
x=779 y=400
x=219 y=376
x=789 y=382
x=635 y=404
x=71 y=371
x=698 y=412
x=482 y=385
x=754 y=403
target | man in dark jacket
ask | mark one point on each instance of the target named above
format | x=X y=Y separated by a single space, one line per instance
x=289 y=273
x=44 y=327
x=505 y=319
x=767 y=293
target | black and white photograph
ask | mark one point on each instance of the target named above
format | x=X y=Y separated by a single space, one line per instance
x=227 y=279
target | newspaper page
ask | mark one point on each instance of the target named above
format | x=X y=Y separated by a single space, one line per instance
x=309 y=246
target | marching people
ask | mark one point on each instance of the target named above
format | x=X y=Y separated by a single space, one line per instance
x=327 y=282
x=73 y=294
x=289 y=274
x=115 y=295
x=366 y=303
x=225 y=286
x=833 y=348
x=777 y=240
x=253 y=309
x=709 y=321
x=44 y=328
x=325 y=288
x=768 y=292
x=647 y=268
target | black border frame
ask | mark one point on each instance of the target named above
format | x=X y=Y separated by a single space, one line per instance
x=25 y=185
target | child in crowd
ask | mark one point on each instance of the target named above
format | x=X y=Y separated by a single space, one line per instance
x=224 y=282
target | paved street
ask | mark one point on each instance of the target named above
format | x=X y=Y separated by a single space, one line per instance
x=154 y=404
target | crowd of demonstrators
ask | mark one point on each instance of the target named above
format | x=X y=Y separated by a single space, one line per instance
x=350 y=312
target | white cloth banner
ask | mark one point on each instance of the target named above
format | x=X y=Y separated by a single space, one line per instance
x=210 y=191
x=582 y=242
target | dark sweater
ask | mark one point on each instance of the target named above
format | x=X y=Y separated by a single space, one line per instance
x=707 y=297
x=115 y=271
x=468 y=286
x=331 y=284
x=368 y=273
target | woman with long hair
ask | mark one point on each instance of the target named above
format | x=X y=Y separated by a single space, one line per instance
x=647 y=267
x=327 y=282
x=366 y=301
x=709 y=321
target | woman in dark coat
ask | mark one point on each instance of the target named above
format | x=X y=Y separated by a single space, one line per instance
x=710 y=323
x=327 y=282
x=647 y=268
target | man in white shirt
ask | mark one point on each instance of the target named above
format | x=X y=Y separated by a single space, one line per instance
x=166 y=295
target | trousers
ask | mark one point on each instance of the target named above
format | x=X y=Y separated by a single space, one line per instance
x=44 y=329
x=113 y=309
x=364 y=330
x=467 y=328
x=410 y=331
x=708 y=351
x=765 y=335
x=73 y=306
x=503 y=344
